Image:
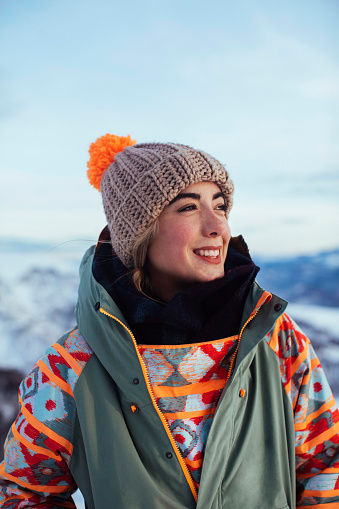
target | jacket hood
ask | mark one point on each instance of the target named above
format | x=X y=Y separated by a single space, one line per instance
x=105 y=329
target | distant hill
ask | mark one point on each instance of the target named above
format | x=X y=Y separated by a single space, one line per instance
x=310 y=279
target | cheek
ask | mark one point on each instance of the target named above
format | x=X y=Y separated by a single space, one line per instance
x=176 y=234
x=226 y=239
x=227 y=234
x=180 y=241
x=170 y=244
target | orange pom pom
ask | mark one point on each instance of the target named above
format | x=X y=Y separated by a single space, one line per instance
x=102 y=153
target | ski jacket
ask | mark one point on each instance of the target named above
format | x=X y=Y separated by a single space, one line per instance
x=89 y=419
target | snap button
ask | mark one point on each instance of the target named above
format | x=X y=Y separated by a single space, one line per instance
x=277 y=307
x=97 y=306
x=242 y=393
x=134 y=408
x=169 y=455
x=136 y=381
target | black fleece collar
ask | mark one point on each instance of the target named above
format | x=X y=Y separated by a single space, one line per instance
x=202 y=312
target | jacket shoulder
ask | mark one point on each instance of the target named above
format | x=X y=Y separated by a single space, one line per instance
x=291 y=346
x=46 y=393
x=66 y=358
x=300 y=368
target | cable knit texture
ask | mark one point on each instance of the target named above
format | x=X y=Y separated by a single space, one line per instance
x=143 y=179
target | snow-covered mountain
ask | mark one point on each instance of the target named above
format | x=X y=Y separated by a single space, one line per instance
x=304 y=279
x=38 y=289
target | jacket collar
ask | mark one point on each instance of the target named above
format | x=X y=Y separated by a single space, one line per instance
x=107 y=331
x=202 y=312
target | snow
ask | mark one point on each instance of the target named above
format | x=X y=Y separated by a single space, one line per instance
x=319 y=317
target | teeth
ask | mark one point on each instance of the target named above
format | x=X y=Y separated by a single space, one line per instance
x=213 y=253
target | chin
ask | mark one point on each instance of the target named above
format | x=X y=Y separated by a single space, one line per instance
x=212 y=277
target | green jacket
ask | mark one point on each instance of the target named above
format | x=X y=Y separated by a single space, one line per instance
x=249 y=456
x=89 y=419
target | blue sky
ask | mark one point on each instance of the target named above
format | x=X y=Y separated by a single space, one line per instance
x=256 y=84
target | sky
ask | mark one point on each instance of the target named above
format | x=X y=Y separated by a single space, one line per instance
x=255 y=84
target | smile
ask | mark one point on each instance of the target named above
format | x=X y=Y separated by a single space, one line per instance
x=210 y=253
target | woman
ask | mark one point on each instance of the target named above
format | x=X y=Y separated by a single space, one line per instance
x=183 y=384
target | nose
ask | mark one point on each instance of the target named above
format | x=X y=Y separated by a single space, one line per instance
x=213 y=225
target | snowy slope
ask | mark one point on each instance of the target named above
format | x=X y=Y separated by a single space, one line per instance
x=38 y=290
x=304 y=279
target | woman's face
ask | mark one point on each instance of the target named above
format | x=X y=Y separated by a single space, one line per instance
x=192 y=240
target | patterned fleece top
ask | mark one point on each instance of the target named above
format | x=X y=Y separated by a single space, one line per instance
x=187 y=381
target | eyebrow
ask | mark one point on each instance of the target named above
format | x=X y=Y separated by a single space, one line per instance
x=194 y=196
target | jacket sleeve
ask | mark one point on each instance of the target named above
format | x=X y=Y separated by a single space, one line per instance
x=316 y=417
x=35 y=471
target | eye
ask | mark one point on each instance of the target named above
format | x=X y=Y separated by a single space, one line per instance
x=222 y=206
x=187 y=208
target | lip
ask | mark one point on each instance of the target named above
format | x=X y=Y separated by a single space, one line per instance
x=207 y=248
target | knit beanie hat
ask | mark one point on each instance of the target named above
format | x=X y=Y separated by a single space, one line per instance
x=138 y=180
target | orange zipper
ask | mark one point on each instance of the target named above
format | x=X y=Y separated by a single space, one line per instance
x=261 y=302
x=159 y=412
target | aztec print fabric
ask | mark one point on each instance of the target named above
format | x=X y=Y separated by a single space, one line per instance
x=316 y=416
x=187 y=381
x=35 y=471
x=40 y=443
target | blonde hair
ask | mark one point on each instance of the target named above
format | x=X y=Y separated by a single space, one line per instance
x=140 y=277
